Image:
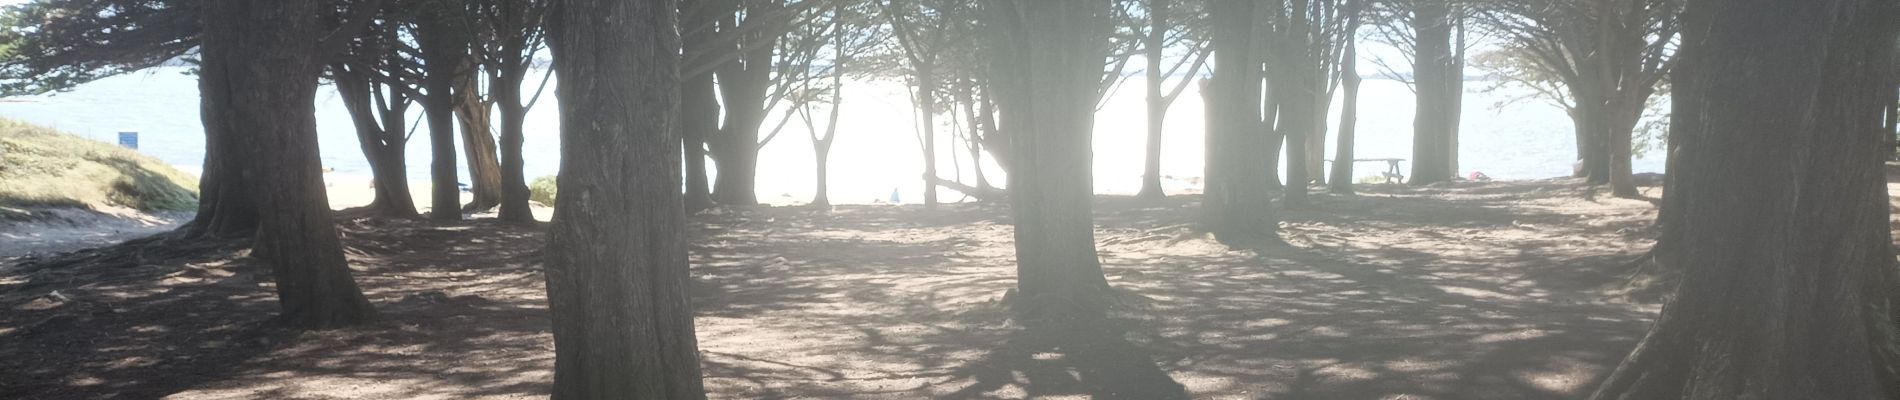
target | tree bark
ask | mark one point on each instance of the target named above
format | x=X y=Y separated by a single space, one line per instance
x=1787 y=255
x=506 y=88
x=743 y=83
x=443 y=54
x=478 y=139
x=1047 y=65
x=927 y=104
x=1300 y=108
x=380 y=137
x=1235 y=206
x=1342 y=179
x=226 y=208
x=260 y=65
x=616 y=258
x=1432 y=122
x=1154 y=44
x=699 y=100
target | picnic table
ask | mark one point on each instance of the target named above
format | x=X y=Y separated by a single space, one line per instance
x=1392 y=173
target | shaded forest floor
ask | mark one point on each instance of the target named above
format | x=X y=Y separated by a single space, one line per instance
x=1502 y=290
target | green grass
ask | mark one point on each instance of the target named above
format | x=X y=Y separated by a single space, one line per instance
x=46 y=168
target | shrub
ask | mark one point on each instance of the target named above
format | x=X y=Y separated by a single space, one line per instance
x=542 y=190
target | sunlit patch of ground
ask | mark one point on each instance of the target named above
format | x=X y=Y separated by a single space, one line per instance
x=1474 y=291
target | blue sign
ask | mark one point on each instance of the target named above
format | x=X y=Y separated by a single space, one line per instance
x=129 y=139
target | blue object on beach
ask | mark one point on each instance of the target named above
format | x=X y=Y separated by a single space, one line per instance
x=129 y=139
x=894 y=198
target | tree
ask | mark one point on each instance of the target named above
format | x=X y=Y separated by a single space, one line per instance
x=1046 y=60
x=616 y=256
x=1787 y=254
x=376 y=86
x=444 y=56
x=1601 y=59
x=1236 y=207
x=474 y=113
x=270 y=113
x=1341 y=183
x=699 y=97
x=71 y=42
x=1434 y=122
x=927 y=31
x=850 y=32
x=1161 y=21
x=746 y=88
x=514 y=32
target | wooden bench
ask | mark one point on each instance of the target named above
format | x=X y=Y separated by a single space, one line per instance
x=1392 y=173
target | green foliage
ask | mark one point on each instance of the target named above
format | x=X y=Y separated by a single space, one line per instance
x=542 y=190
x=54 y=45
x=43 y=167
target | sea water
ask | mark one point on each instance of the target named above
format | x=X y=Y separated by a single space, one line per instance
x=878 y=147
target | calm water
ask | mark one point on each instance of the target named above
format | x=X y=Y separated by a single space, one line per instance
x=877 y=150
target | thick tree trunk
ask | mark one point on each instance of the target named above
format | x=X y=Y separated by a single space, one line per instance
x=514 y=117
x=1786 y=251
x=271 y=112
x=616 y=258
x=1047 y=62
x=442 y=53
x=743 y=84
x=1235 y=206
x=1432 y=122
x=226 y=208
x=478 y=140
x=1618 y=139
x=1348 y=116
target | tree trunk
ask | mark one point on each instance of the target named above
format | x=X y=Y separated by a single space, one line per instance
x=743 y=83
x=1301 y=104
x=514 y=116
x=1348 y=115
x=382 y=150
x=271 y=112
x=927 y=102
x=478 y=140
x=1154 y=44
x=1787 y=255
x=616 y=258
x=1618 y=138
x=1431 y=123
x=442 y=53
x=1047 y=65
x=1455 y=97
x=699 y=99
x=1272 y=100
x=1235 y=206
x=226 y=208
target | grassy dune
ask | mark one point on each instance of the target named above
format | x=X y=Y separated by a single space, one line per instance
x=40 y=167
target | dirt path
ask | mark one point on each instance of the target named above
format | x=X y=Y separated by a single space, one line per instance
x=1480 y=291
x=49 y=231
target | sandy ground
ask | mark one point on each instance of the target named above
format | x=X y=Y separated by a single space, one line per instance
x=1475 y=291
x=40 y=232
x=50 y=231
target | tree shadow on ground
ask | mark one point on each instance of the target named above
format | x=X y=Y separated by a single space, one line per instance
x=1069 y=359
